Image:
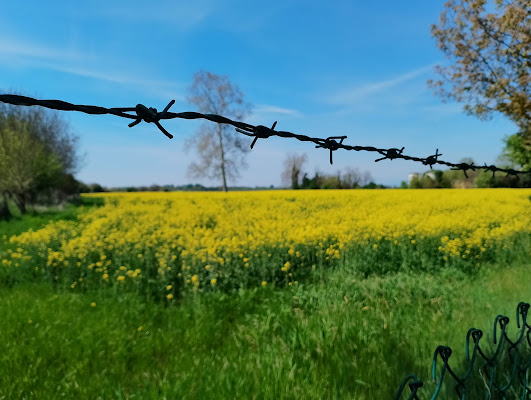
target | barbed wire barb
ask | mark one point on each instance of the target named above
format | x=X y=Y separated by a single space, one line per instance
x=332 y=143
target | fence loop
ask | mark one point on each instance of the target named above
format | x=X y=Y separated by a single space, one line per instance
x=503 y=323
x=476 y=335
x=413 y=386
x=522 y=308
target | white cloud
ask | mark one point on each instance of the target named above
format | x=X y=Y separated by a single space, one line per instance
x=265 y=112
x=359 y=94
x=181 y=15
x=36 y=55
x=267 y=109
x=16 y=48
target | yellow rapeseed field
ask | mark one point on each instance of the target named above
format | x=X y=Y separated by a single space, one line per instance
x=211 y=240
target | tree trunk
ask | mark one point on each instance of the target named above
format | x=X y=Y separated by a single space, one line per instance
x=222 y=158
x=20 y=201
x=295 y=177
x=5 y=214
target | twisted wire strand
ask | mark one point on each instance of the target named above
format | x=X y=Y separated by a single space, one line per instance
x=333 y=143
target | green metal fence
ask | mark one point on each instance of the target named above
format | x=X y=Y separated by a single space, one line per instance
x=498 y=380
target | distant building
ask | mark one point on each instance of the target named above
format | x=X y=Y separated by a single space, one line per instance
x=416 y=175
x=412 y=176
x=430 y=174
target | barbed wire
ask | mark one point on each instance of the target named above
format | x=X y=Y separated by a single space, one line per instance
x=332 y=143
x=489 y=367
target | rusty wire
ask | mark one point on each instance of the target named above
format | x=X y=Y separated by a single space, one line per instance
x=520 y=368
x=332 y=143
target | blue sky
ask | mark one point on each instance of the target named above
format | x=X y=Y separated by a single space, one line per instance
x=321 y=68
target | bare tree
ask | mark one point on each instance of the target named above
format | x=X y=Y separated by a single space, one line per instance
x=292 y=169
x=220 y=151
x=365 y=178
x=351 y=178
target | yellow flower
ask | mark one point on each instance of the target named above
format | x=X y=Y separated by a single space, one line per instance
x=170 y=296
x=413 y=241
x=121 y=278
x=213 y=281
x=264 y=283
x=194 y=278
x=286 y=266
x=105 y=276
x=207 y=266
x=93 y=304
x=29 y=321
x=169 y=287
x=140 y=328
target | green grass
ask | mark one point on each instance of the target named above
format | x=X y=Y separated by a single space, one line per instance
x=313 y=342
x=338 y=335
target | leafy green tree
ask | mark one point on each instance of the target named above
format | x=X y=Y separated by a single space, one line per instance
x=489 y=44
x=24 y=162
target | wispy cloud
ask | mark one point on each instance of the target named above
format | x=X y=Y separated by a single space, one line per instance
x=353 y=96
x=17 y=48
x=181 y=14
x=443 y=109
x=264 y=112
x=36 y=55
x=267 y=109
x=159 y=87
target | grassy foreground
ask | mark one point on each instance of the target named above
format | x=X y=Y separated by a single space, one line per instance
x=340 y=338
x=336 y=332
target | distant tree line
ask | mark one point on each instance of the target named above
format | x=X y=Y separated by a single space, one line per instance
x=350 y=178
x=434 y=179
